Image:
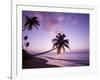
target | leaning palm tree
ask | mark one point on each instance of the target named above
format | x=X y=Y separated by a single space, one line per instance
x=58 y=43
x=30 y=23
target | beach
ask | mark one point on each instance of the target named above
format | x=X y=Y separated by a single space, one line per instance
x=36 y=62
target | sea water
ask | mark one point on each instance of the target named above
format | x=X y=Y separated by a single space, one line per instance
x=67 y=59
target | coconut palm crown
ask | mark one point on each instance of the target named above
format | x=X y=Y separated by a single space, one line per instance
x=60 y=43
x=30 y=23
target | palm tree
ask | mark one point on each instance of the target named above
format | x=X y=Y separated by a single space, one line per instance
x=27 y=44
x=58 y=43
x=26 y=37
x=30 y=23
x=24 y=41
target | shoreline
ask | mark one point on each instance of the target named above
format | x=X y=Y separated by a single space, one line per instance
x=36 y=62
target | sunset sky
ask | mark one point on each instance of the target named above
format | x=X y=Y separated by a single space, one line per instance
x=74 y=25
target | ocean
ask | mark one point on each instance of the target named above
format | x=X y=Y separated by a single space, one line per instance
x=67 y=59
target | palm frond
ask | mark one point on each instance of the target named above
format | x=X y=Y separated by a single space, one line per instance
x=66 y=41
x=66 y=45
x=63 y=35
x=54 y=40
x=57 y=36
x=34 y=18
x=35 y=26
x=30 y=27
x=55 y=45
x=27 y=21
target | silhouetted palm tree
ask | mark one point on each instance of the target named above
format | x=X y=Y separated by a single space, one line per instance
x=30 y=23
x=24 y=41
x=58 y=43
x=26 y=37
x=27 y=44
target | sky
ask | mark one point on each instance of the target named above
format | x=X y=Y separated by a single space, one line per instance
x=74 y=25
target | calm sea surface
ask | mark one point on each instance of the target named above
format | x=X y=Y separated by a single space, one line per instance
x=67 y=59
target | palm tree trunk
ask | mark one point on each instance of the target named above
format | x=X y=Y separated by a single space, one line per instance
x=44 y=52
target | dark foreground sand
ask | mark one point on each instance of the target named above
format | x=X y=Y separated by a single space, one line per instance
x=36 y=62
